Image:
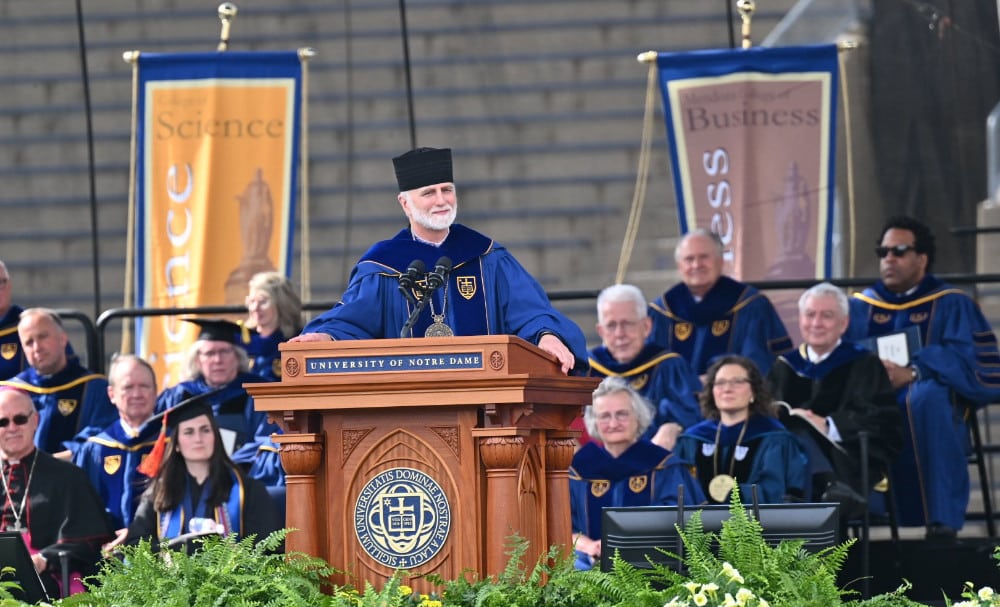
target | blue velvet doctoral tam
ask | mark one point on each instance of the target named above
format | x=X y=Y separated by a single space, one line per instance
x=732 y=318
x=957 y=358
x=488 y=293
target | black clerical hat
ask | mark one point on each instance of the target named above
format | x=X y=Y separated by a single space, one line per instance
x=216 y=329
x=189 y=408
x=422 y=167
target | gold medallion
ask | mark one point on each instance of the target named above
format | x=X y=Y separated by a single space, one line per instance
x=720 y=486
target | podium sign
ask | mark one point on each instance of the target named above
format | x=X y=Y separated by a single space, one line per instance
x=424 y=454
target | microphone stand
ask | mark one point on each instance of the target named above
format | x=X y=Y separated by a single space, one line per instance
x=415 y=314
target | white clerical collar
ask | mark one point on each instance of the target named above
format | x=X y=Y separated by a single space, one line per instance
x=818 y=358
x=425 y=241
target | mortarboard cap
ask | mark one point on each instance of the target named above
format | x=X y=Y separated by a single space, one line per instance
x=216 y=329
x=422 y=167
x=189 y=408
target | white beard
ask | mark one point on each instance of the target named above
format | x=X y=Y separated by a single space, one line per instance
x=429 y=221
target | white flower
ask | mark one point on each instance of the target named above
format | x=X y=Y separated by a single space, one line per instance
x=985 y=593
x=763 y=603
x=700 y=600
x=731 y=572
x=743 y=595
x=692 y=587
x=729 y=601
x=676 y=602
x=710 y=587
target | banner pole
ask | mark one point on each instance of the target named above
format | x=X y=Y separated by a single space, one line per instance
x=227 y=13
x=127 y=344
x=305 y=267
x=746 y=9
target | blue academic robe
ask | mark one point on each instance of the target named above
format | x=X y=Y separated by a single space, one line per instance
x=767 y=455
x=233 y=409
x=664 y=378
x=72 y=405
x=957 y=356
x=265 y=359
x=110 y=460
x=732 y=318
x=11 y=355
x=487 y=293
x=644 y=475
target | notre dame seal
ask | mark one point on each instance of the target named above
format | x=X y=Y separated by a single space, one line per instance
x=402 y=518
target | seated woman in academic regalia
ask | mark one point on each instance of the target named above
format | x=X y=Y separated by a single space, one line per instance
x=623 y=470
x=197 y=490
x=741 y=441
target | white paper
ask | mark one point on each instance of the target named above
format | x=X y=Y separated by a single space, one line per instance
x=894 y=348
x=228 y=440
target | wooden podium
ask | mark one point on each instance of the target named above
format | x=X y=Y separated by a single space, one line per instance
x=423 y=454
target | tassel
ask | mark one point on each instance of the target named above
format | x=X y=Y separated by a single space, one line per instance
x=151 y=463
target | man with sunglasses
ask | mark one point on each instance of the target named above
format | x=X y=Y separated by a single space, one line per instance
x=49 y=501
x=952 y=356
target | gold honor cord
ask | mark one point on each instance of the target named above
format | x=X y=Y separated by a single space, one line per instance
x=642 y=173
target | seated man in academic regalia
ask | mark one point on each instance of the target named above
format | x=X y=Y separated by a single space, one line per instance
x=50 y=501
x=218 y=364
x=836 y=390
x=953 y=358
x=708 y=315
x=110 y=458
x=664 y=378
x=484 y=292
x=72 y=402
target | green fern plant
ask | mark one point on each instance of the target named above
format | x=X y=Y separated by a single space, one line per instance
x=223 y=571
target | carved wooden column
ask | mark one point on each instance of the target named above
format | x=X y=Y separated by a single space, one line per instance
x=559 y=446
x=501 y=451
x=301 y=456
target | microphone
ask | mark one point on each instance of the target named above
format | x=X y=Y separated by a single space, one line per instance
x=408 y=280
x=412 y=274
x=438 y=276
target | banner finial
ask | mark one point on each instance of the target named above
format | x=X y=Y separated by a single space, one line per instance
x=746 y=9
x=227 y=12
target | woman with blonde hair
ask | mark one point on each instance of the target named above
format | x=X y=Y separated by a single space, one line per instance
x=274 y=315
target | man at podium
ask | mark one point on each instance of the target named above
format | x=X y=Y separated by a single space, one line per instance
x=474 y=286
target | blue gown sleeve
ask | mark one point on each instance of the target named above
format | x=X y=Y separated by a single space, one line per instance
x=779 y=469
x=961 y=351
x=674 y=392
x=669 y=483
x=97 y=414
x=369 y=309
x=760 y=335
x=524 y=308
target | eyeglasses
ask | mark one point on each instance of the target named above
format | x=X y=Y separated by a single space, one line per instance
x=897 y=251
x=735 y=382
x=625 y=325
x=260 y=303
x=19 y=420
x=618 y=416
x=221 y=353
